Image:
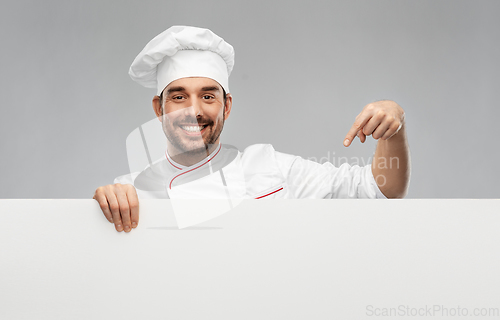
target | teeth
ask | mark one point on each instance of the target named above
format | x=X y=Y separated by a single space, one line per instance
x=193 y=128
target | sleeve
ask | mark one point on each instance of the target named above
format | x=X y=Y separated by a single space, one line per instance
x=141 y=194
x=125 y=179
x=311 y=180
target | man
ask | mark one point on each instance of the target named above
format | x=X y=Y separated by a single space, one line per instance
x=190 y=68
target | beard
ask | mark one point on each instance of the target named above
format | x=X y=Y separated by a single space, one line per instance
x=195 y=145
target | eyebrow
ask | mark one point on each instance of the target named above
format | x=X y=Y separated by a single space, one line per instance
x=182 y=89
x=211 y=88
x=175 y=89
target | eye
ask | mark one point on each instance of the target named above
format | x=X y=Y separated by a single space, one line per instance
x=177 y=97
x=208 y=97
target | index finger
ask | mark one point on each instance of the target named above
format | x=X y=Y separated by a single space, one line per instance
x=103 y=203
x=360 y=122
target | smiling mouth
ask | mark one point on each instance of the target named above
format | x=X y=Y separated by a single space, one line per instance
x=193 y=129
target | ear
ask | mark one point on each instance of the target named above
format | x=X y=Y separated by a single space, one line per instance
x=157 y=107
x=229 y=104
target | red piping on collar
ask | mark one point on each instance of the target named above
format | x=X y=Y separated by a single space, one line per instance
x=170 y=185
x=171 y=162
x=270 y=193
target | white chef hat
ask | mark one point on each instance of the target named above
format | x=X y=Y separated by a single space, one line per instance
x=180 y=52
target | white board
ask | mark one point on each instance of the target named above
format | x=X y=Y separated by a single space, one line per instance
x=274 y=259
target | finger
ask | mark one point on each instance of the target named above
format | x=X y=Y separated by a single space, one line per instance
x=374 y=122
x=115 y=208
x=381 y=130
x=133 y=202
x=393 y=129
x=121 y=196
x=361 y=120
x=361 y=136
x=103 y=203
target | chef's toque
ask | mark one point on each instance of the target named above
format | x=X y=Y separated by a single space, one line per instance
x=181 y=52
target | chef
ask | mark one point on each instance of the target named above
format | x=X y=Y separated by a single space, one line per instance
x=190 y=69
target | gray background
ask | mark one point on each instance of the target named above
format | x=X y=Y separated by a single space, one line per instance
x=303 y=71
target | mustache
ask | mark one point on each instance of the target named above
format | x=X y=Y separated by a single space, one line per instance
x=194 y=122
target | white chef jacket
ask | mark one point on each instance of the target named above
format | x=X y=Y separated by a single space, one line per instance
x=259 y=172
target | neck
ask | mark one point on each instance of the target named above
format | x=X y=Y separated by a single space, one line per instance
x=191 y=157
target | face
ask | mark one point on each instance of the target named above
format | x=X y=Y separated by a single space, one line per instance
x=192 y=114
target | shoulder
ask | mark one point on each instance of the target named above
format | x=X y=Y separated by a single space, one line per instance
x=258 y=148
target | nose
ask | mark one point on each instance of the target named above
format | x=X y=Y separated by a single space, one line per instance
x=195 y=110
